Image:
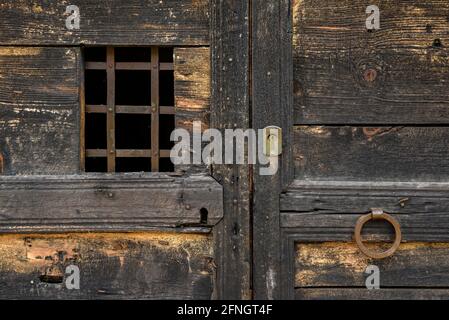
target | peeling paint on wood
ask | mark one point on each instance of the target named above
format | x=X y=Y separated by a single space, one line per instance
x=192 y=92
x=338 y=264
x=124 y=266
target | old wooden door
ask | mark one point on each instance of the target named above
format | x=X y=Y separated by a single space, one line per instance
x=365 y=127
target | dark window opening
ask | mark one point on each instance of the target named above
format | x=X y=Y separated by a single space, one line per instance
x=137 y=126
x=96 y=87
x=129 y=105
x=166 y=54
x=133 y=88
x=167 y=84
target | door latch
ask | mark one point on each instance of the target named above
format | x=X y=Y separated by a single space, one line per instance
x=272 y=138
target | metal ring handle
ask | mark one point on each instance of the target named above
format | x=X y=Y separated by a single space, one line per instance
x=377 y=215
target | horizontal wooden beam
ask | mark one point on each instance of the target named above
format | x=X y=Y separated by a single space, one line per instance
x=108 y=202
x=328 y=211
x=116 y=22
x=343 y=293
x=341 y=264
x=359 y=153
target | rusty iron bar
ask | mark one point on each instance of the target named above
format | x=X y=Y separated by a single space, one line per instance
x=111 y=109
x=155 y=109
x=110 y=61
x=130 y=109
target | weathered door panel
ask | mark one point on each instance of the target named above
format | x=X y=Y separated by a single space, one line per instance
x=336 y=270
x=39 y=111
x=112 y=266
x=369 y=131
x=105 y=22
x=333 y=51
x=170 y=220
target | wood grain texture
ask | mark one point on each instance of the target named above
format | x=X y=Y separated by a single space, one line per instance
x=192 y=92
x=106 y=22
x=271 y=84
x=414 y=265
x=112 y=266
x=39 y=110
x=364 y=294
x=107 y=203
x=231 y=109
x=332 y=50
x=328 y=211
x=372 y=154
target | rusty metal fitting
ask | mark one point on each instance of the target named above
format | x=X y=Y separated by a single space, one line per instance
x=377 y=214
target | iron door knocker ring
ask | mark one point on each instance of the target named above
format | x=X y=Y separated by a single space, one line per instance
x=377 y=215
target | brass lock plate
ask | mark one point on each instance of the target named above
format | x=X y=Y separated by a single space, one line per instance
x=272 y=138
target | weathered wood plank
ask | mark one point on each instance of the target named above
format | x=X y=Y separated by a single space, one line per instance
x=112 y=266
x=372 y=154
x=332 y=51
x=342 y=198
x=106 y=22
x=192 y=92
x=272 y=82
x=343 y=265
x=230 y=109
x=364 y=294
x=328 y=211
x=39 y=110
x=107 y=203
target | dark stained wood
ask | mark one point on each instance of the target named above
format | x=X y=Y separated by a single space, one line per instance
x=414 y=265
x=364 y=294
x=231 y=108
x=372 y=154
x=116 y=22
x=328 y=211
x=338 y=197
x=107 y=203
x=112 y=266
x=333 y=50
x=39 y=110
x=271 y=106
x=192 y=93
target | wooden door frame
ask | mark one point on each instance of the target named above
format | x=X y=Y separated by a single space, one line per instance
x=252 y=87
x=230 y=108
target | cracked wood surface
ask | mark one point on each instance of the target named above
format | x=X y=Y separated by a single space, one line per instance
x=105 y=22
x=409 y=54
x=39 y=110
x=338 y=264
x=112 y=266
x=371 y=154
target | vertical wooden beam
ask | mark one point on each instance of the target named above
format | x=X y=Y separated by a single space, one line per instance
x=110 y=62
x=272 y=93
x=231 y=109
x=155 y=109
